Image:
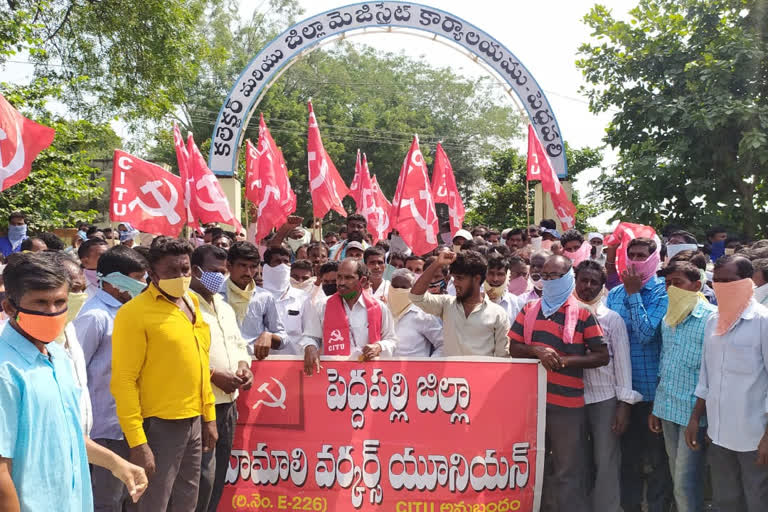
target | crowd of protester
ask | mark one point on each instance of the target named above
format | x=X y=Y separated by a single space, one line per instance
x=127 y=352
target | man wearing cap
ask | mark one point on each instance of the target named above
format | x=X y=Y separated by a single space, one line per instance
x=355 y=250
x=459 y=238
x=357 y=225
x=596 y=241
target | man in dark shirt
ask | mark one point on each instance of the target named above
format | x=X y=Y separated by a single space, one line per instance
x=566 y=338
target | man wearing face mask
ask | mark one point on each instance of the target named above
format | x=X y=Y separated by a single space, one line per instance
x=596 y=254
x=682 y=333
x=44 y=453
x=419 y=334
x=642 y=302
x=17 y=233
x=288 y=298
x=160 y=379
x=608 y=390
x=733 y=391
x=350 y=322
x=558 y=330
x=519 y=281
x=538 y=259
x=121 y=273
x=472 y=323
x=495 y=287
x=230 y=367
x=242 y=263
x=459 y=238
x=89 y=253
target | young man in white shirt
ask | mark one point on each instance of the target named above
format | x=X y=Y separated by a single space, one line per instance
x=495 y=287
x=289 y=299
x=374 y=259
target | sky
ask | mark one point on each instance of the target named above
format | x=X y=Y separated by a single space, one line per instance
x=545 y=36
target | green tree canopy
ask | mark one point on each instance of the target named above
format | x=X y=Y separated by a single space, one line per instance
x=687 y=82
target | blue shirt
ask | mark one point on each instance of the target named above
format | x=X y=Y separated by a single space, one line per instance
x=261 y=316
x=680 y=362
x=40 y=426
x=6 y=247
x=734 y=380
x=642 y=312
x=93 y=326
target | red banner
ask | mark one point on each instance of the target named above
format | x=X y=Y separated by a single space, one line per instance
x=421 y=435
x=445 y=191
x=538 y=164
x=21 y=140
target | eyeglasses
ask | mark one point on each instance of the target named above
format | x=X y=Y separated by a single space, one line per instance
x=549 y=276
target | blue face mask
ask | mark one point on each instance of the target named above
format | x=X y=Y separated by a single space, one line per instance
x=555 y=292
x=17 y=233
x=213 y=280
x=124 y=283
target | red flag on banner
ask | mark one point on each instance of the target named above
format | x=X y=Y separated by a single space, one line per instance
x=208 y=202
x=325 y=184
x=533 y=164
x=354 y=187
x=269 y=188
x=146 y=195
x=564 y=208
x=372 y=207
x=444 y=189
x=413 y=209
x=21 y=140
x=182 y=157
x=622 y=235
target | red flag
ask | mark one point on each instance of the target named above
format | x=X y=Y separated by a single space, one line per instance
x=382 y=199
x=533 y=164
x=208 y=202
x=444 y=189
x=269 y=188
x=354 y=187
x=565 y=210
x=372 y=207
x=622 y=235
x=21 y=140
x=182 y=157
x=146 y=195
x=413 y=209
x=325 y=184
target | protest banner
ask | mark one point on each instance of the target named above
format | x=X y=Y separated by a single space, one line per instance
x=403 y=435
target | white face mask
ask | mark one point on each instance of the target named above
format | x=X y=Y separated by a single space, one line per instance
x=277 y=279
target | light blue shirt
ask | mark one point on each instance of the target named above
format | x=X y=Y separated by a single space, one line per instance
x=262 y=316
x=40 y=426
x=734 y=380
x=680 y=362
x=93 y=326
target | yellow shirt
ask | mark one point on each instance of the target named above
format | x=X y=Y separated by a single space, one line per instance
x=160 y=365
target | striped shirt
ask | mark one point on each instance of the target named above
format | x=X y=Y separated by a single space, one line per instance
x=680 y=364
x=565 y=388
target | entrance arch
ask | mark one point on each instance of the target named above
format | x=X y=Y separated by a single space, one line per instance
x=305 y=36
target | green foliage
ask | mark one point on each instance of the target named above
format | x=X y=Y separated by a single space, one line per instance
x=688 y=82
x=63 y=185
x=501 y=203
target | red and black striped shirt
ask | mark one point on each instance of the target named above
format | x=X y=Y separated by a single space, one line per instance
x=565 y=388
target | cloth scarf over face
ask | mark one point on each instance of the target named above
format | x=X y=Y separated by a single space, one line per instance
x=556 y=291
x=732 y=300
x=681 y=304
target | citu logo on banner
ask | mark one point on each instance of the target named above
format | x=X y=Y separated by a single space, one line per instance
x=539 y=167
x=267 y=184
x=413 y=209
x=21 y=140
x=372 y=207
x=325 y=183
x=444 y=189
x=146 y=195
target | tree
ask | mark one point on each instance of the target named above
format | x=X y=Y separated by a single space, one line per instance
x=687 y=81
x=502 y=203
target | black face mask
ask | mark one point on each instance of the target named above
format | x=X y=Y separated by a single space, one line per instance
x=329 y=289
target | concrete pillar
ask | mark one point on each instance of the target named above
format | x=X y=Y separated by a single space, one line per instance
x=542 y=205
x=232 y=189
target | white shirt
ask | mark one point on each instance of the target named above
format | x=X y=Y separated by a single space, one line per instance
x=761 y=294
x=734 y=380
x=615 y=378
x=358 y=327
x=417 y=332
x=512 y=304
x=77 y=361
x=482 y=333
x=381 y=292
x=290 y=306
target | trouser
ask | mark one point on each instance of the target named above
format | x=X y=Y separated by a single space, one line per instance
x=177 y=446
x=606 y=456
x=738 y=483
x=213 y=469
x=109 y=493
x=686 y=467
x=566 y=439
x=644 y=461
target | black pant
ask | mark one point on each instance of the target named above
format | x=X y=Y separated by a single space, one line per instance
x=738 y=483
x=565 y=487
x=109 y=493
x=641 y=449
x=215 y=463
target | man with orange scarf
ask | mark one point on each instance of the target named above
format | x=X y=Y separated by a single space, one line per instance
x=733 y=391
x=351 y=322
